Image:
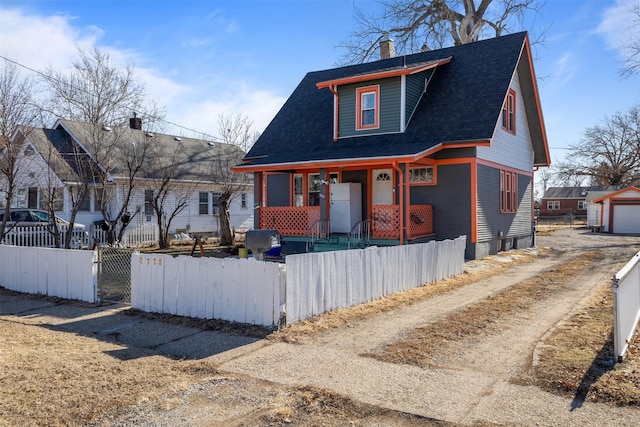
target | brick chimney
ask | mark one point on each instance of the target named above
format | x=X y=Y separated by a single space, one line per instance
x=135 y=122
x=387 y=48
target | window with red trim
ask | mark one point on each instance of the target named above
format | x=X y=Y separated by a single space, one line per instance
x=509 y=112
x=508 y=191
x=367 y=107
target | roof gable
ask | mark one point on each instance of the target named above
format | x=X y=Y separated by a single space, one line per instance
x=461 y=107
x=635 y=191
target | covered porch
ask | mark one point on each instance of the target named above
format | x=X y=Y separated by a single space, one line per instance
x=303 y=230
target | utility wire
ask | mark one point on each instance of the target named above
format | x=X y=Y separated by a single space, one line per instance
x=46 y=77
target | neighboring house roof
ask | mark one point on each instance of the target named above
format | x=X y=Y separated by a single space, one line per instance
x=577 y=192
x=50 y=143
x=462 y=105
x=194 y=159
x=618 y=193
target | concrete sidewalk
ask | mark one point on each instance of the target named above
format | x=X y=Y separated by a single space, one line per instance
x=110 y=323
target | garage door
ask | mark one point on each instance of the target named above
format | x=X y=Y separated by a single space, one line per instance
x=626 y=219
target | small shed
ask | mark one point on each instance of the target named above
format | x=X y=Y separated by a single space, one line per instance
x=620 y=211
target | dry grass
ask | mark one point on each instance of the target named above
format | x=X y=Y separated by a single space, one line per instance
x=55 y=378
x=577 y=358
x=343 y=317
x=419 y=346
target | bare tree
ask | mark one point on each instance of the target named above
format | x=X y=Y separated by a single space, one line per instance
x=16 y=108
x=126 y=168
x=238 y=137
x=419 y=25
x=609 y=153
x=165 y=169
x=102 y=95
x=544 y=178
x=631 y=49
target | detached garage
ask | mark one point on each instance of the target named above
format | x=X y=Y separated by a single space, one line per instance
x=620 y=211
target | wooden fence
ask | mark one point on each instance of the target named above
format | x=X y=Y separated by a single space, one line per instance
x=238 y=290
x=63 y=273
x=320 y=282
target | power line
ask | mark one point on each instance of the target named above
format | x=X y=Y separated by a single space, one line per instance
x=46 y=77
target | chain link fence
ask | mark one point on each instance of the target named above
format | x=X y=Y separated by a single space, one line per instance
x=114 y=274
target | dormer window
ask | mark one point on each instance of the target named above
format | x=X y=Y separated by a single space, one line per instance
x=368 y=107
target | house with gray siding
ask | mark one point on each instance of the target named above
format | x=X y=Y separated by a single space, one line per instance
x=432 y=145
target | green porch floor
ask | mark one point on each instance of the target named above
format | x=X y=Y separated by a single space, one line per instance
x=335 y=242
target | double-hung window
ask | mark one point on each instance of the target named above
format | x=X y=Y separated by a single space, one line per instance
x=508 y=192
x=203 y=203
x=367 y=107
x=148 y=202
x=509 y=112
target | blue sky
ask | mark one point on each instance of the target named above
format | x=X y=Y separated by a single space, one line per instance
x=202 y=58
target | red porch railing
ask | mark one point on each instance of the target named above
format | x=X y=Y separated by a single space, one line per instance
x=385 y=220
x=289 y=220
x=420 y=221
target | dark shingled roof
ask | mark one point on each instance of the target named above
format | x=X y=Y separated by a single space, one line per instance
x=463 y=103
x=579 y=192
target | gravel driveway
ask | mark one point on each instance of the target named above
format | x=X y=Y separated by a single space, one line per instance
x=472 y=385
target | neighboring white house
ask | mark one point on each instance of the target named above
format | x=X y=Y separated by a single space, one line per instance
x=56 y=158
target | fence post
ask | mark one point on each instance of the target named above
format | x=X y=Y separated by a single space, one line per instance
x=617 y=345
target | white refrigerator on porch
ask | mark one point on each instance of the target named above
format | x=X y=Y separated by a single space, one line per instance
x=346 y=206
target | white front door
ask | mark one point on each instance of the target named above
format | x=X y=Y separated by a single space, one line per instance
x=382 y=187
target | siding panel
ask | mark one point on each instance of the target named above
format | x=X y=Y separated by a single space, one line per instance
x=515 y=151
x=490 y=220
x=278 y=191
x=389 y=108
x=451 y=201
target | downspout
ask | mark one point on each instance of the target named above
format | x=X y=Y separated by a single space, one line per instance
x=401 y=201
x=336 y=109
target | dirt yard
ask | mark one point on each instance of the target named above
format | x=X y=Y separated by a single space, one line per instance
x=544 y=315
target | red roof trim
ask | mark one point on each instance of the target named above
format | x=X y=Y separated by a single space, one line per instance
x=383 y=74
x=615 y=194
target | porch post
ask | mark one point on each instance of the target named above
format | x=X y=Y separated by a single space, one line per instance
x=257 y=191
x=324 y=205
x=407 y=201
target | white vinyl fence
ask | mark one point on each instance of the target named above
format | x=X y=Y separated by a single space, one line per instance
x=135 y=236
x=626 y=305
x=240 y=290
x=61 y=273
x=237 y=290
x=320 y=282
x=43 y=236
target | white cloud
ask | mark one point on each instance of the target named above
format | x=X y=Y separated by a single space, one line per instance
x=39 y=42
x=616 y=23
x=42 y=41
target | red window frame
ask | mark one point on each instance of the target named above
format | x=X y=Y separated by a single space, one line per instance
x=509 y=112
x=508 y=191
x=360 y=92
